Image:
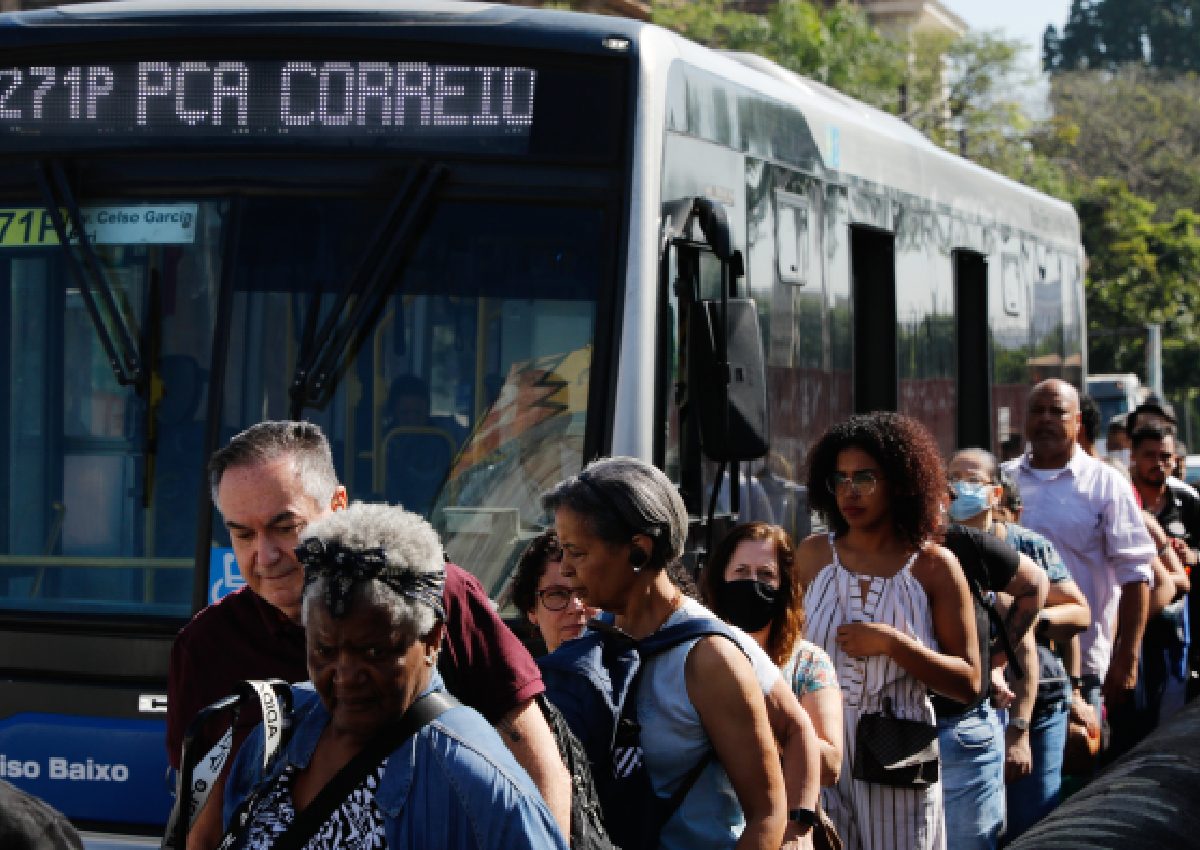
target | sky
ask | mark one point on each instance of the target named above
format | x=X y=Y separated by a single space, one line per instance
x=1022 y=19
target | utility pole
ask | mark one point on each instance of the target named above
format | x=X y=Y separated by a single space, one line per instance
x=1154 y=359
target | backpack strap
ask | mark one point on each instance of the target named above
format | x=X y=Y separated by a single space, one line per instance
x=693 y=628
x=197 y=774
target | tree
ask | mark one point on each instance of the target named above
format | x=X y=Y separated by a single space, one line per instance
x=1163 y=34
x=1080 y=45
x=1140 y=270
x=1129 y=125
x=837 y=47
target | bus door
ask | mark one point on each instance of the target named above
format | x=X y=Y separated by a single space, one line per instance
x=873 y=292
x=108 y=339
x=711 y=351
x=973 y=344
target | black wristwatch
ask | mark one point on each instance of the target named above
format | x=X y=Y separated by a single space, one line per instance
x=1019 y=723
x=803 y=817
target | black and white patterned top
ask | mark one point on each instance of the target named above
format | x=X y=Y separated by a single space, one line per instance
x=356 y=825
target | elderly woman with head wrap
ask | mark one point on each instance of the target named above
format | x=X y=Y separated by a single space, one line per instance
x=380 y=756
x=620 y=525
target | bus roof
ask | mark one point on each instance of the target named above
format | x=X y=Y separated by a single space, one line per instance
x=854 y=139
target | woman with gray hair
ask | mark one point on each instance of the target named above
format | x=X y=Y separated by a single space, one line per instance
x=380 y=755
x=621 y=524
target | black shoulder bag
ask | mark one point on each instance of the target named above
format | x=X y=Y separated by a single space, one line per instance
x=890 y=750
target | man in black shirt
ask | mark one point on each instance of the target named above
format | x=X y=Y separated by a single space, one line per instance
x=1165 y=663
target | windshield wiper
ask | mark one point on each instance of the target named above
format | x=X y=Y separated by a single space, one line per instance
x=319 y=366
x=98 y=295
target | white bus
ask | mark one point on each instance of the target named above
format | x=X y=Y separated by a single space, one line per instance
x=479 y=245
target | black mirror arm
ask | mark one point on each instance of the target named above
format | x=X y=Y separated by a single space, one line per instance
x=317 y=370
x=124 y=356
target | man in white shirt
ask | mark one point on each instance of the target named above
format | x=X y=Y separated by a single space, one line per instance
x=1088 y=511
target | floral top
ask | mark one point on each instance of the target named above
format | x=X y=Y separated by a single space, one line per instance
x=356 y=825
x=809 y=669
x=1039 y=550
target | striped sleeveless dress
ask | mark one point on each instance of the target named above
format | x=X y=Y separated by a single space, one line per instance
x=870 y=816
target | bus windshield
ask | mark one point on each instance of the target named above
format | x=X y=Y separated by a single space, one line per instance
x=463 y=398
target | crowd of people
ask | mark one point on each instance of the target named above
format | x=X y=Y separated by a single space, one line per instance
x=964 y=643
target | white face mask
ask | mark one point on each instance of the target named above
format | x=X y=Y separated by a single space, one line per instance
x=1121 y=456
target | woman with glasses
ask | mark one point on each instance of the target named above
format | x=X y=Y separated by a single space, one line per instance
x=542 y=594
x=891 y=608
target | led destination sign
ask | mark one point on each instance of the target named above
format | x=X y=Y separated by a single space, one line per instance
x=264 y=99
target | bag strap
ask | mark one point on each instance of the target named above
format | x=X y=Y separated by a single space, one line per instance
x=680 y=794
x=197 y=775
x=692 y=628
x=328 y=799
x=987 y=601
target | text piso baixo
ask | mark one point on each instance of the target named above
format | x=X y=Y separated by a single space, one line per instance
x=57 y=767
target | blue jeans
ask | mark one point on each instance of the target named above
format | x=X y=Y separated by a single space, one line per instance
x=972 y=751
x=1033 y=797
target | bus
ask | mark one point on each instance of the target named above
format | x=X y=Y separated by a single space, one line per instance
x=479 y=245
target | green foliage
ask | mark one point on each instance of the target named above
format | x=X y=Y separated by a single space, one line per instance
x=838 y=47
x=1105 y=34
x=1140 y=270
x=1131 y=125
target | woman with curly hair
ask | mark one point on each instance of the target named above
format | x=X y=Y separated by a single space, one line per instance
x=891 y=608
x=750 y=581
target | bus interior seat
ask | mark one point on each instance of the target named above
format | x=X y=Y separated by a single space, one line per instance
x=416 y=461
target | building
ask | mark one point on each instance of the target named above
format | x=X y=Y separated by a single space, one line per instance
x=899 y=18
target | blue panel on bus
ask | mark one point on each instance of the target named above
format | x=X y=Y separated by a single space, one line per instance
x=111 y=770
x=224 y=577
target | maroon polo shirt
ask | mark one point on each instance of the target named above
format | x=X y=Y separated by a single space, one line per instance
x=244 y=637
x=240 y=637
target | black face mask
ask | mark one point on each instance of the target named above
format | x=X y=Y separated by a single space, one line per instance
x=748 y=604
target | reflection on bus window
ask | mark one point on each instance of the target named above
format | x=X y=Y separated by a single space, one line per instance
x=467 y=395
x=103 y=480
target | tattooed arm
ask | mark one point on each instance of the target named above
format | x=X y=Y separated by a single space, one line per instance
x=1028 y=589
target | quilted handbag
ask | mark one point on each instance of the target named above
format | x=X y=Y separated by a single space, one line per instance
x=890 y=750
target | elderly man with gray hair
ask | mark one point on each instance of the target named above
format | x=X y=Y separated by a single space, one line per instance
x=381 y=755
x=269 y=483
x=1088 y=511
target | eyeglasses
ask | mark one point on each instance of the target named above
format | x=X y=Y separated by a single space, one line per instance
x=861 y=482
x=556 y=598
x=956 y=477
